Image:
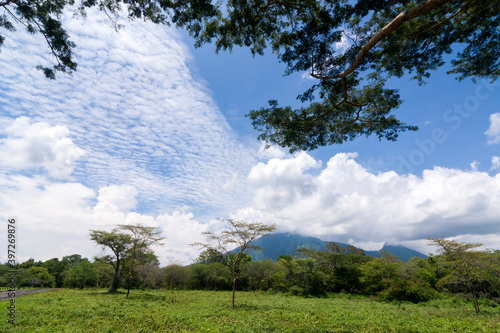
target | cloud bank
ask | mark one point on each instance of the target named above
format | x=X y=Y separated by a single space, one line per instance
x=346 y=202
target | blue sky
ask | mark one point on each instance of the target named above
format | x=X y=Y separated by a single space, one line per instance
x=150 y=130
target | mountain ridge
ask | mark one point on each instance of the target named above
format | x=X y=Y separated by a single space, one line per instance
x=278 y=244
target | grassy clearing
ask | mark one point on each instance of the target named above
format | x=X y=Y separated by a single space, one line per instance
x=208 y=311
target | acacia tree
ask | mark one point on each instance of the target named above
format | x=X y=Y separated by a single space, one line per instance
x=235 y=241
x=126 y=248
x=120 y=244
x=142 y=238
x=467 y=265
x=379 y=40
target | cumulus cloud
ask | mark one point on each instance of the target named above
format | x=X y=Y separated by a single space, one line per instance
x=493 y=132
x=347 y=203
x=32 y=145
x=116 y=198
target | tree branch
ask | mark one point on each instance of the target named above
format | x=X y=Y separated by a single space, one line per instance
x=399 y=20
x=39 y=29
x=116 y=26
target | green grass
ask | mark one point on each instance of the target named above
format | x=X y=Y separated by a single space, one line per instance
x=206 y=311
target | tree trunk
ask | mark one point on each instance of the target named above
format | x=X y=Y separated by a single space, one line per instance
x=234 y=288
x=131 y=277
x=116 y=277
x=474 y=297
x=116 y=282
x=233 y=273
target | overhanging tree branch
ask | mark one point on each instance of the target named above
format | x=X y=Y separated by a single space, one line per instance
x=399 y=20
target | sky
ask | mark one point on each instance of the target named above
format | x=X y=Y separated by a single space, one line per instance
x=151 y=130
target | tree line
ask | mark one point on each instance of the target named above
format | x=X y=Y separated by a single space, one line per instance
x=459 y=269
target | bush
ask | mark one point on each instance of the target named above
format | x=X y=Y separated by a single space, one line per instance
x=410 y=292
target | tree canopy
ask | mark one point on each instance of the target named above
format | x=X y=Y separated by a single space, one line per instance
x=350 y=47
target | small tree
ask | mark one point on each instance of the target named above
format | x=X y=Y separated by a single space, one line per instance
x=467 y=265
x=236 y=239
x=125 y=247
x=142 y=239
x=120 y=244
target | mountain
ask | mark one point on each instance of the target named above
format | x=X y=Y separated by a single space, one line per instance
x=285 y=243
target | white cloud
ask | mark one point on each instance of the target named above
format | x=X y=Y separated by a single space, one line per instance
x=474 y=165
x=282 y=182
x=155 y=142
x=346 y=202
x=116 y=198
x=493 y=132
x=28 y=145
x=495 y=163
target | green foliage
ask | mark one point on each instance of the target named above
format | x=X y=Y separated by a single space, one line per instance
x=72 y=260
x=30 y=263
x=82 y=275
x=215 y=276
x=261 y=275
x=105 y=274
x=4 y=268
x=57 y=269
x=33 y=277
x=210 y=256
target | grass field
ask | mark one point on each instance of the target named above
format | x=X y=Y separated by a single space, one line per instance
x=209 y=311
